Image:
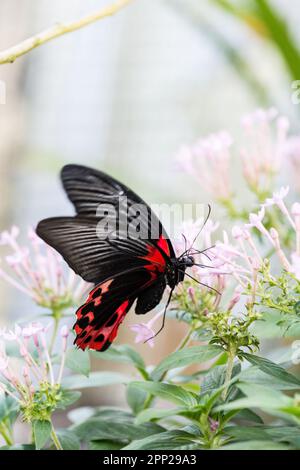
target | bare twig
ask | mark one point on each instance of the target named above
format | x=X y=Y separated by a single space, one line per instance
x=11 y=54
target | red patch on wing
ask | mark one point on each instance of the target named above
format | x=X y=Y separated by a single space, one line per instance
x=91 y=336
x=155 y=256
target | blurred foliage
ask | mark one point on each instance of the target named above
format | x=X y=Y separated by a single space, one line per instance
x=264 y=20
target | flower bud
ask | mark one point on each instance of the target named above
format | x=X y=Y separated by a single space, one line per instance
x=64 y=331
x=296 y=209
x=237 y=232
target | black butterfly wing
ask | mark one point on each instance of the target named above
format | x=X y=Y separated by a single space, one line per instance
x=124 y=268
x=95 y=260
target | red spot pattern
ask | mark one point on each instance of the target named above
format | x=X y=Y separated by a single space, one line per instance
x=88 y=335
x=154 y=255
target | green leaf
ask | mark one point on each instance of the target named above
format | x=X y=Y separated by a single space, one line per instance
x=169 y=392
x=256 y=445
x=68 y=397
x=135 y=398
x=114 y=414
x=287 y=434
x=169 y=440
x=18 y=447
x=249 y=415
x=105 y=445
x=254 y=375
x=122 y=353
x=9 y=409
x=155 y=414
x=42 y=431
x=215 y=378
x=185 y=357
x=68 y=439
x=97 y=428
x=269 y=367
x=260 y=397
x=95 y=379
x=78 y=361
x=245 y=433
x=280 y=34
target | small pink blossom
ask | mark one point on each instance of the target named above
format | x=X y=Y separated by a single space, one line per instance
x=237 y=232
x=64 y=331
x=38 y=272
x=191 y=293
x=295 y=265
x=12 y=335
x=208 y=161
x=296 y=214
x=296 y=209
x=292 y=151
x=277 y=199
x=284 y=261
x=144 y=331
x=213 y=424
x=32 y=330
x=236 y=297
x=256 y=221
x=9 y=237
x=266 y=135
x=30 y=339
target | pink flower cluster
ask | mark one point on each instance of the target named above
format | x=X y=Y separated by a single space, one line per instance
x=242 y=259
x=209 y=159
x=208 y=162
x=20 y=378
x=39 y=272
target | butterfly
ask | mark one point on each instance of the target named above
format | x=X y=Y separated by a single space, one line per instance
x=124 y=268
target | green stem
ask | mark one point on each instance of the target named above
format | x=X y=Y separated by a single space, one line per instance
x=6 y=434
x=55 y=439
x=230 y=364
x=56 y=315
x=185 y=340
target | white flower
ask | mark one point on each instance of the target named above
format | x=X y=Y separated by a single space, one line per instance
x=277 y=197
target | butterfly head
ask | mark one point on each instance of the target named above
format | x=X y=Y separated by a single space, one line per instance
x=186 y=261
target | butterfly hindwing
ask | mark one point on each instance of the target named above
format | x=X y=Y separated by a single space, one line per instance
x=98 y=319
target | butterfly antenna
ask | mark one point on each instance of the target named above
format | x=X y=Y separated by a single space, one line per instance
x=203 y=265
x=164 y=317
x=185 y=242
x=202 y=227
x=199 y=252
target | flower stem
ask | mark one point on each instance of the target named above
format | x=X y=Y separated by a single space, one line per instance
x=55 y=439
x=11 y=54
x=230 y=364
x=185 y=340
x=56 y=315
x=5 y=433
